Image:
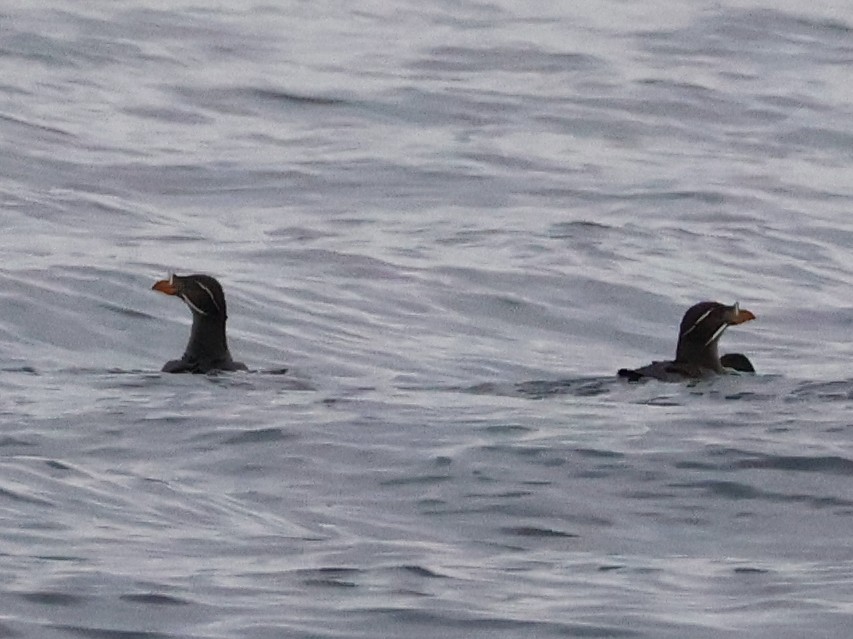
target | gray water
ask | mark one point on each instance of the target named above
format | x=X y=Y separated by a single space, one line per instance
x=452 y=222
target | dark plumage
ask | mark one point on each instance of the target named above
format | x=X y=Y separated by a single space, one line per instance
x=696 y=355
x=207 y=349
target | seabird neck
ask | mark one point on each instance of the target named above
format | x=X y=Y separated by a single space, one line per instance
x=699 y=354
x=207 y=339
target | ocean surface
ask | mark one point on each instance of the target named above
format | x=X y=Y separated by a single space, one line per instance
x=452 y=222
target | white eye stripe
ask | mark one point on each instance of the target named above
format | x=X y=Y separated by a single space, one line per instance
x=210 y=293
x=698 y=321
x=191 y=305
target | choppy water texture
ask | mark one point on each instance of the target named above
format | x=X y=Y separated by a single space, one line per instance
x=452 y=222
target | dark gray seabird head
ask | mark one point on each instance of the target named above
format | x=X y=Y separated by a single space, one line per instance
x=701 y=328
x=696 y=354
x=207 y=349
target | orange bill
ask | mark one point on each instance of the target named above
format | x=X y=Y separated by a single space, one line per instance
x=165 y=286
x=742 y=316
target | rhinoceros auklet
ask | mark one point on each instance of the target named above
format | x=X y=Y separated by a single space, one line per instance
x=696 y=354
x=207 y=349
